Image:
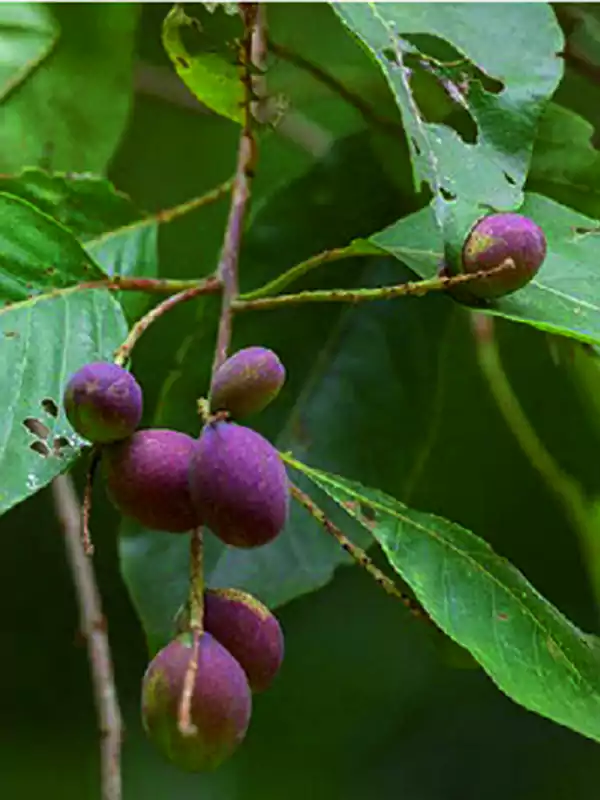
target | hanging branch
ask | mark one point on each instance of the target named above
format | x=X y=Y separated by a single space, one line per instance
x=93 y=628
x=227 y=271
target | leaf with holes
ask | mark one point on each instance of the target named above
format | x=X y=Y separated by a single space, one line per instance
x=502 y=89
x=210 y=74
x=529 y=649
x=48 y=329
x=563 y=298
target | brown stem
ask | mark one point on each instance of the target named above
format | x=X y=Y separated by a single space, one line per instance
x=148 y=285
x=227 y=270
x=93 y=627
x=207 y=286
x=368 y=113
x=359 y=555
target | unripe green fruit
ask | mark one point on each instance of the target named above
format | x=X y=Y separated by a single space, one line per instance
x=147 y=478
x=221 y=703
x=249 y=631
x=239 y=485
x=491 y=242
x=247 y=382
x=103 y=402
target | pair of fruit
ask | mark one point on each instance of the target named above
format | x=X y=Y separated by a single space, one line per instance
x=230 y=479
x=239 y=652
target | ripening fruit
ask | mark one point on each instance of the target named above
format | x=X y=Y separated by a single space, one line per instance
x=221 y=703
x=147 y=477
x=247 y=382
x=103 y=402
x=249 y=631
x=239 y=485
x=491 y=241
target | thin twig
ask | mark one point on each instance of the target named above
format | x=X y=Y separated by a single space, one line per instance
x=368 y=112
x=227 y=270
x=93 y=627
x=166 y=215
x=410 y=288
x=301 y=269
x=116 y=283
x=207 y=286
x=359 y=555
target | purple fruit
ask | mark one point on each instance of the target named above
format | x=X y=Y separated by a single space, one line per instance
x=249 y=631
x=220 y=707
x=147 y=477
x=239 y=485
x=247 y=382
x=492 y=241
x=103 y=402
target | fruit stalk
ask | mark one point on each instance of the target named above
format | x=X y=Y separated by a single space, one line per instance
x=411 y=288
x=196 y=624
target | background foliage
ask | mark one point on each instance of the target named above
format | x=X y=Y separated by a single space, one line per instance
x=369 y=703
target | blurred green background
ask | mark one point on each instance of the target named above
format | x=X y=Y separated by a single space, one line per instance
x=369 y=704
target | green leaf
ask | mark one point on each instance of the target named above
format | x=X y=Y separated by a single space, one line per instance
x=37 y=254
x=210 y=75
x=491 y=169
x=565 y=165
x=529 y=649
x=48 y=329
x=564 y=296
x=103 y=219
x=27 y=36
x=89 y=205
x=69 y=113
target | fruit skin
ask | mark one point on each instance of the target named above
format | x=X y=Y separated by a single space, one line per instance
x=147 y=478
x=239 y=485
x=220 y=708
x=247 y=382
x=249 y=631
x=491 y=241
x=103 y=402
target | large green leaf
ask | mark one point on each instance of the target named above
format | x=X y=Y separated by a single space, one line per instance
x=48 y=328
x=492 y=169
x=70 y=111
x=27 y=35
x=563 y=298
x=528 y=648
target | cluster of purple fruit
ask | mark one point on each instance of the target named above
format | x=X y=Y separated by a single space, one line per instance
x=231 y=480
